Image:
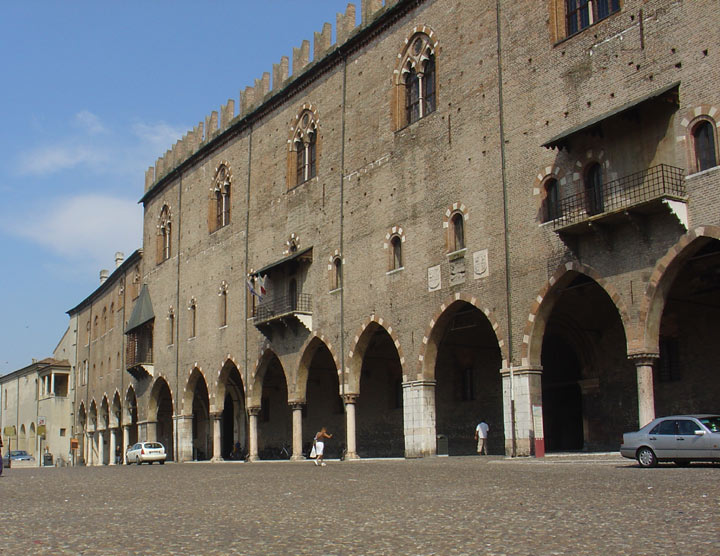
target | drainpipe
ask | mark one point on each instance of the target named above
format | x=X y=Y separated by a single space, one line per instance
x=176 y=405
x=247 y=297
x=508 y=304
x=342 y=236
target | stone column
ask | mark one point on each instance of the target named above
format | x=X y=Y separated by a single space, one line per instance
x=350 y=400
x=151 y=431
x=217 y=436
x=126 y=441
x=297 y=454
x=419 y=418
x=52 y=384
x=101 y=447
x=113 y=443
x=644 y=363
x=185 y=445
x=253 y=440
x=522 y=392
x=87 y=448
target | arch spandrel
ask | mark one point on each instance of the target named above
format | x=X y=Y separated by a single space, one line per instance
x=433 y=334
x=546 y=299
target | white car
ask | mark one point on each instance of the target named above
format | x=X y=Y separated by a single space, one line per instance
x=149 y=452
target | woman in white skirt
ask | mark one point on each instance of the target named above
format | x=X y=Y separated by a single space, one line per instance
x=319 y=445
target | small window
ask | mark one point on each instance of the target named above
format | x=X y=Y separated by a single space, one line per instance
x=336 y=273
x=193 y=317
x=552 y=202
x=704 y=146
x=171 y=327
x=62 y=432
x=223 y=307
x=458 y=232
x=593 y=189
x=396 y=246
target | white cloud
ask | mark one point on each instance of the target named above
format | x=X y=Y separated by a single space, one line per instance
x=160 y=136
x=55 y=158
x=85 y=230
x=89 y=122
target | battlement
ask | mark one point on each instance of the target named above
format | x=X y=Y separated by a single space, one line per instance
x=254 y=96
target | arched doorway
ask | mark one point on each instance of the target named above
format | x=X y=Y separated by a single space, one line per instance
x=589 y=387
x=234 y=422
x=275 y=419
x=22 y=440
x=202 y=433
x=324 y=407
x=468 y=383
x=161 y=409
x=32 y=441
x=104 y=448
x=379 y=407
x=79 y=454
x=131 y=417
x=685 y=377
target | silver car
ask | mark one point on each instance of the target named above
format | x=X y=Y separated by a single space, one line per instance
x=677 y=438
x=149 y=452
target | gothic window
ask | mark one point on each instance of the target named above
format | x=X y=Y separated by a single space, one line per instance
x=416 y=83
x=220 y=199
x=112 y=315
x=703 y=138
x=303 y=152
x=87 y=333
x=593 y=189
x=580 y=14
x=552 y=201
x=164 y=245
x=104 y=320
x=171 y=326
x=336 y=273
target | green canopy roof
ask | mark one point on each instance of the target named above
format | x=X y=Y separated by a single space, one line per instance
x=142 y=312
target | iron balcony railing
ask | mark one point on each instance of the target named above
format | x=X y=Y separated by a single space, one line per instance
x=628 y=191
x=281 y=306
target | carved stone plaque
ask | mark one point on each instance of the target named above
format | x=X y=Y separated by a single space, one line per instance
x=434 y=278
x=457 y=272
x=480 y=264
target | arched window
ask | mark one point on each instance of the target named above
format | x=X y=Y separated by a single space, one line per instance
x=304 y=148
x=457 y=234
x=417 y=80
x=171 y=326
x=396 y=248
x=552 y=201
x=193 y=317
x=704 y=146
x=337 y=273
x=223 y=306
x=221 y=199
x=593 y=189
x=583 y=13
x=104 y=320
x=164 y=245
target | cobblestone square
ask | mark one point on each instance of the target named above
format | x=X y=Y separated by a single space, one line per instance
x=591 y=504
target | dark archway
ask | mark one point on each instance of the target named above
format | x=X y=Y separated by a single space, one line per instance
x=380 y=403
x=131 y=418
x=161 y=401
x=234 y=422
x=324 y=406
x=686 y=377
x=589 y=386
x=202 y=433
x=468 y=382
x=275 y=419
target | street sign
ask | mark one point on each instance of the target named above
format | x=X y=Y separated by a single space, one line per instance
x=41 y=421
x=9 y=430
x=74 y=444
x=41 y=430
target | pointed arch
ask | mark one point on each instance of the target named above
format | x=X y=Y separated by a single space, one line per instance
x=217 y=396
x=359 y=346
x=547 y=297
x=159 y=385
x=441 y=319
x=255 y=386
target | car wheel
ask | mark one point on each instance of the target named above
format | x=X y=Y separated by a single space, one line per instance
x=137 y=461
x=646 y=457
x=162 y=462
x=681 y=462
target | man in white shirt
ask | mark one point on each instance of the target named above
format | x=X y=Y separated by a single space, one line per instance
x=481 y=436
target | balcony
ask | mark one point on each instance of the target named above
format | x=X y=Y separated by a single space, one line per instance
x=286 y=310
x=651 y=191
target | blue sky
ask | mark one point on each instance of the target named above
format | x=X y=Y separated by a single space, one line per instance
x=92 y=93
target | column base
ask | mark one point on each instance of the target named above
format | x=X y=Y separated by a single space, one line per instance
x=351 y=455
x=217 y=460
x=297 y=458
x=251 y=459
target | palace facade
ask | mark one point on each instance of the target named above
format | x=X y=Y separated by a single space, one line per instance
x=458 y=211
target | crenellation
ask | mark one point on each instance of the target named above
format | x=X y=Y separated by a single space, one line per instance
x=322 y=42
x=211 y=125
x=301 y=57
x=369 y=9
x=345 y=24
x=280 y=73
x=227 y=113
x=149 y=177
x=248 y=100
x=262 y=86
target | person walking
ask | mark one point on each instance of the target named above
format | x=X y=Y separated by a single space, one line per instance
x=481 y=437
x=319 y=445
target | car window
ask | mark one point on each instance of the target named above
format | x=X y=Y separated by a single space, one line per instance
x=686 y=426
x=153 y=445
x=712 y=423
x=665 y=427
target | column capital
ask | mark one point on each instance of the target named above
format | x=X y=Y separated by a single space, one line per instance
x=296 y=405
x=419 y=383
x=216 y=415
x=350 y=398
x=254 y=410
x=643 y=358
x=521 y=370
